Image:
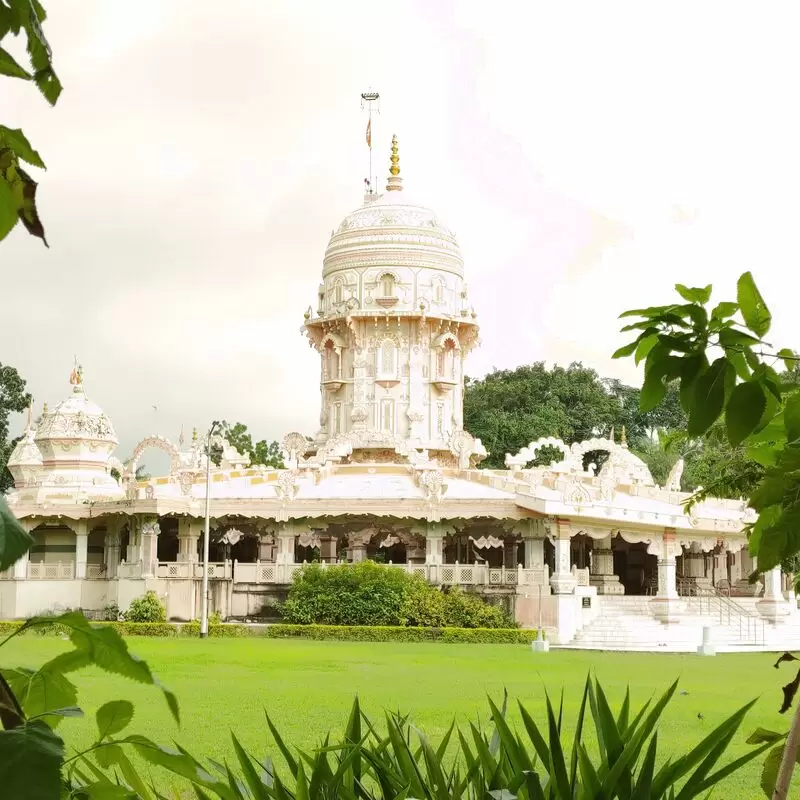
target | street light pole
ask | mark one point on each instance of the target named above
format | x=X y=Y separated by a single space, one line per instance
x=206 y=535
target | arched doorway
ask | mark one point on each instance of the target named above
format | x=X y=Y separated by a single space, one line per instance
x=636 y=568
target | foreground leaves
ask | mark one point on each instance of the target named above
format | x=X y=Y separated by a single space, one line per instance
x=760 y=407
x=14 y=539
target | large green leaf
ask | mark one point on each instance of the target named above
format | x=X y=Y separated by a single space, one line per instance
x=791 y=417
x=9 y=216
x=744 y=411
x=30 y=762
x=15 y=541
x=18 y=142
x=694 y=295
x=102 y=646
x=709 y=397
x=754 y=309
x=8 y=66
x=40 y=691
x=113 y=717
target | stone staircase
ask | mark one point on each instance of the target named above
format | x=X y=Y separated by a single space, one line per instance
x=627 y=624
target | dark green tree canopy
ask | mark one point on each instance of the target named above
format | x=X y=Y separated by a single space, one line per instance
x=13 y=400
x=508 y=409
x=264 y=452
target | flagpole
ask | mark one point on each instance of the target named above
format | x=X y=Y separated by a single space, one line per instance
x=368 y=99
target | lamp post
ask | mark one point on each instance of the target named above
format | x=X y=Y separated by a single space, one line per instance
x=213 y=432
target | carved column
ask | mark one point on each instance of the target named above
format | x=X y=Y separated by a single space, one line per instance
x=534 y=553
x=112 y=546
x=21 y=566
x=562 y=580
x=81 y=529
x=510 y=553
x=286 y=540
x=773 y=607
x=133 y=554
x=666 y=604
x=434 y=541
x=601 y=573
x=149 y=531
x=189 y=531
x=329 y=552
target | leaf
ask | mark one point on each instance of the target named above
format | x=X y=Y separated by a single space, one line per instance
x=709 y=397
x=41 y=691
x=18 y=142
x=761 y=735
x=8 y=66
x=113 y=717
x=744 y=411
x=645 y=345
x=789 y=692
x=769 y=772
x=791 y=416
x=694 y=295
x=789 y=357
x=754 y=309
x=28 y=213
x=15 y=541
x=102 y=646
x=625 y=350
x=9 y=216
x=30 y=762
x=731 y=337
x=724 y=310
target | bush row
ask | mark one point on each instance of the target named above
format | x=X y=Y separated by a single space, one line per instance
x=350 y=633
x=387 y=633
x=367 y=594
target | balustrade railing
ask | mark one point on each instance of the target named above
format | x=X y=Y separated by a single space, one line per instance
x=447 y=574
x=192 y=569
x=713 y=602
x=51 y=571
x=96 y=571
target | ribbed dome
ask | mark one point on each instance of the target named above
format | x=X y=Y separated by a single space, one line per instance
x=393 y=231
x=26 y=453
x=77 y=417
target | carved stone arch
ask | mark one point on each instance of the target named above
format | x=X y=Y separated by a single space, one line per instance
x=157 y=443
x=382 y=272
x=334 y=338
x=528 y=454
x=443 y=338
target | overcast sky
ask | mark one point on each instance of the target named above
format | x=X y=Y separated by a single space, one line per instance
x=587 y=155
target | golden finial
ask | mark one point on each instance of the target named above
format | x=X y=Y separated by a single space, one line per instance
x=395 y=182
x=623 y=439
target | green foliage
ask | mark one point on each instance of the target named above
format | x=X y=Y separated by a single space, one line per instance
x=263 y=452
x=740 y=390
x=533 y=762
x=17 y=188
x=373 y=595
x=13 y=400
x=508 y=409
x=387 y=633
x=15 y=541
x=147 y=608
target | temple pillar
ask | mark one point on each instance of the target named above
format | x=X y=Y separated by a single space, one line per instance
x=666 y=603
x=189 y=531
x=510 y=553
x=534 y=553
x=81 y=528
x=434 y=544
x=694 y=567
x=111 y=548
x=328 y=550
x=601 y=573
x=773 y=606
x=149 y=531
x=133 y=552
x=562 y=581
x=286 y=544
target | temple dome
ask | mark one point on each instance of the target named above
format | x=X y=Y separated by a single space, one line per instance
x=25 y=461
x=391 y=230
x=76 y=417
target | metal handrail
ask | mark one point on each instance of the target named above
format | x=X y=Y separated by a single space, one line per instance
x=731 y=613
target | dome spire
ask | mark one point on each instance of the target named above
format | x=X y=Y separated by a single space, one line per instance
x=76 y=377
x=395 y=182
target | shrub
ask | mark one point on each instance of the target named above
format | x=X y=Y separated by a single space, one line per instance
x=147 y=608
x=370 y=594
x=111 y=612
x=387 y=633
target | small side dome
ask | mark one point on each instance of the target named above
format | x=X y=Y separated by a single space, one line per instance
x=25 y=461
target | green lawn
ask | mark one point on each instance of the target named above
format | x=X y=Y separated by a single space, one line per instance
x=308 y=687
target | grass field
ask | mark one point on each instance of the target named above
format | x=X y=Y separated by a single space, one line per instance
x=308 y=687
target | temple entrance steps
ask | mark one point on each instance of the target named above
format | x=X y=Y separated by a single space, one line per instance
x=627 y=624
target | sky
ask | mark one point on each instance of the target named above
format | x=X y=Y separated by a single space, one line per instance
x=588 y=156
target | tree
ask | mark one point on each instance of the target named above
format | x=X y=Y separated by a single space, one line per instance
x=13 y=400
x=17 y=188
x=508 y=409
x=263 y=452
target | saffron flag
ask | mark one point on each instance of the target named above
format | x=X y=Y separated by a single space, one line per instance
x=369 y=133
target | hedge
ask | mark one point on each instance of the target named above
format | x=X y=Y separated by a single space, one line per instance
x=350 y=633
x=387 y=633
